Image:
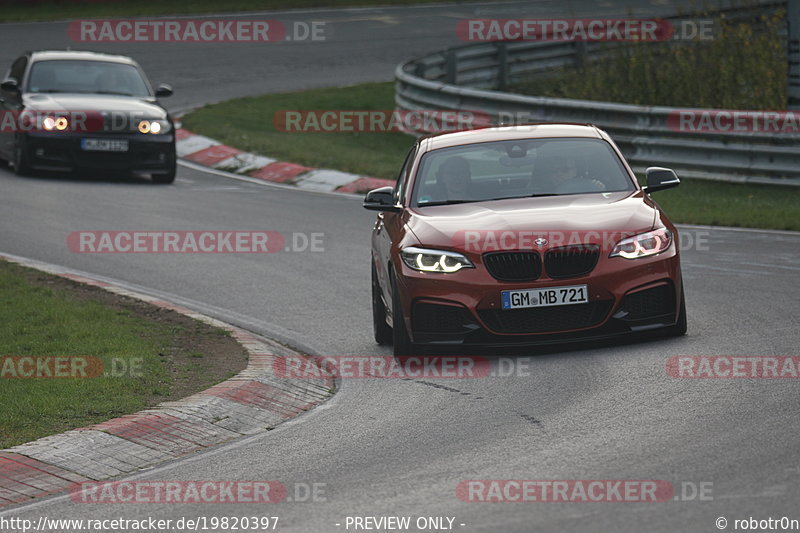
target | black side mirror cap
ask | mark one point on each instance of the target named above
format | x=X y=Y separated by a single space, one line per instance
x=380 y=200
x=10 y=85
x=660 y=178
x=163 y=91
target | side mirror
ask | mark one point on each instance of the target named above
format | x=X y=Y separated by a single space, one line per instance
x=10 y=85
x=659 y=178
x=163 y=91
x=380 y=200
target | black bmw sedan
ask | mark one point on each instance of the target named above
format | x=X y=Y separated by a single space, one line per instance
x=69 y=110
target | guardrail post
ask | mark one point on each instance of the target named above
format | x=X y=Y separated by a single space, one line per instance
x=502 y=66
x=451 y=67
x=580 y=54
x=793 y=16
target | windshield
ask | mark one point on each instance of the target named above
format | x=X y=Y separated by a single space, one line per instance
x=518 y=168
x=95 y=77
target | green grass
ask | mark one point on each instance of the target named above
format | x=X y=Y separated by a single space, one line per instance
x=732 y=204
x=743 y=67
x=247 y=123
x=41 y=316
x=28 y=11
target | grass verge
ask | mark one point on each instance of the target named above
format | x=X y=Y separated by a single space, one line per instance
x=32 y=10
x=148 y=354
x=732 y=204
x=247 y=123
x=742 y=67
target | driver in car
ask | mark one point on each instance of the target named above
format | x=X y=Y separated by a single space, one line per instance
x=455 y=178
x=563 y=176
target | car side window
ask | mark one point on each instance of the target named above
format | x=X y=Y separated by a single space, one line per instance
x=402 y=178
x=18 y=69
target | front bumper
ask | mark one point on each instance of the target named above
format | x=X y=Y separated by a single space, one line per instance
x=625 y=296
x=62 y=151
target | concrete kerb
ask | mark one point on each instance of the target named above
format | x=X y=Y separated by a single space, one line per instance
x=210 y=153
x=254 y=400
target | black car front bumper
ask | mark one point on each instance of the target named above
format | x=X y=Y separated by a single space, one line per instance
x=654 y=308
x=63 y=151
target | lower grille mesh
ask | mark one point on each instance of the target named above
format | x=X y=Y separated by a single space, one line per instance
x=544 y=319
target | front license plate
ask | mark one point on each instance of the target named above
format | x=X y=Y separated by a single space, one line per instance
x=522 y=298
x=104 y=145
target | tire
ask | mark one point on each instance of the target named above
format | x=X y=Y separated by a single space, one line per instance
x=165 y=178
x=382 y=330
x=22 y=165
x=400 y=339
x=680 y=327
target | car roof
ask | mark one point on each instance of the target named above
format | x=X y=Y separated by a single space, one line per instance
x=46 y=55
x=509 y=133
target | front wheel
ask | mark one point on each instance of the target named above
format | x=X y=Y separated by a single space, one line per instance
x=165 y=177
x=382 y=330
x=400 y=338
x=22 y=165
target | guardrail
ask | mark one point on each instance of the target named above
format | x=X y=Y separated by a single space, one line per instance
x=460 y=78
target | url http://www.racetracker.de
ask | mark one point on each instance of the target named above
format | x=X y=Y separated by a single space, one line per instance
x=195 y=523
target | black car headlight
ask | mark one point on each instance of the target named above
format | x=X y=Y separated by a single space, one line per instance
x=155 y=127
x=643 y=245
x=426 y=260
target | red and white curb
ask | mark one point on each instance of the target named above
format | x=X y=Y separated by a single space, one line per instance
x=208 y=152
x=252 y=401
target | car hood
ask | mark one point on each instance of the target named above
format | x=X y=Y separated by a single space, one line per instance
x=615 y=213
x=94 y=103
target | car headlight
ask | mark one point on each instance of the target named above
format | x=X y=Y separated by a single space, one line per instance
x=153 y=126
x=643 y=245
x=50 y=123
x=426 y=260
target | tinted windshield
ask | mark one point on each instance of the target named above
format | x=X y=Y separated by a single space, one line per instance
x=519 y=168
x=96 y=77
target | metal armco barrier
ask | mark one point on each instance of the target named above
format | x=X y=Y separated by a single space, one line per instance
x=462 y=78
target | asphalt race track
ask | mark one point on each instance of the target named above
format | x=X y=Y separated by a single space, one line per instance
x=401 y=447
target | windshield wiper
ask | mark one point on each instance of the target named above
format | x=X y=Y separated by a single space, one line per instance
x=120 y=93
x=523 y=196
x=446 y=202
